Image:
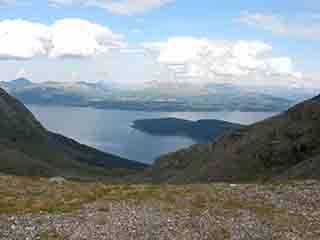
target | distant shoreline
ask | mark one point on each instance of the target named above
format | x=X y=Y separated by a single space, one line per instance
x=139 y=109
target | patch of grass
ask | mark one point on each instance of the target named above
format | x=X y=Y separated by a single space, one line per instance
x=32 y=195
x=49 y=236
x=280 y=183
x=258 y=209
x=21 y=194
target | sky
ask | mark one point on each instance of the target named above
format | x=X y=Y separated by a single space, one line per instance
x=134 y=42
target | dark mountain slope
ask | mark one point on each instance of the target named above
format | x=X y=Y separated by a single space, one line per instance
x=262 y=150
x=309 y=168
x=26 y=148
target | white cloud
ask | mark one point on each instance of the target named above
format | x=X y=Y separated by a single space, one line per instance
x=198 y=60
x=21 y=73
x=75 y=37
x=206 y=60
x=130 y=7
x=62 y=2
x=125 y=7
x=280 y=27
x=74 y=76
x=136 y=30
x=4 y=3
x=21 y=39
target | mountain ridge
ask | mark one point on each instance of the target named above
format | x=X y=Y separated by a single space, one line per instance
x=264 y=150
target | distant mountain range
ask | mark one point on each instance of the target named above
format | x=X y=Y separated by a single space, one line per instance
x=294 y=94
x=15 y=84
x=202 y=131
x=214 y=97
x=55 y=93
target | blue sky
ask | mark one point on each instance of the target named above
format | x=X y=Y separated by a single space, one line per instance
x=290 y=28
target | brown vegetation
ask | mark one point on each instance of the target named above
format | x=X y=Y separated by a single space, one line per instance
x=36 y=208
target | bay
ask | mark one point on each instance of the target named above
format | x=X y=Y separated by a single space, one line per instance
x=110 y=130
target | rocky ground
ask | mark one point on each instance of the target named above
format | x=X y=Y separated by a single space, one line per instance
x=34 y=208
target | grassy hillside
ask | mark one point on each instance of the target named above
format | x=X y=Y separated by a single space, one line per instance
x=26 y=148
x=260 y=151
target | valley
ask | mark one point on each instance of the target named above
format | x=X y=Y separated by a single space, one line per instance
x=159 y=120
x=253 y=182
x=111 y=130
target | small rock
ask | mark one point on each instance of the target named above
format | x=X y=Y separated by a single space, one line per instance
x=57 y=180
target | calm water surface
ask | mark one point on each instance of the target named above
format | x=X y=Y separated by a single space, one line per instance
x=110 y=131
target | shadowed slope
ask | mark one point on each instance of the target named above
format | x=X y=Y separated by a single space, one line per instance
x=26 y=148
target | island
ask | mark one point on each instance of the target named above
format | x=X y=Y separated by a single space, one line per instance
x=201 y=131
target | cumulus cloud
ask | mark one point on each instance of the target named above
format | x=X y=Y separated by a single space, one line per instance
x=125 y=7
x=21 y=73
x=280 y=27
x=80 y=38
x=208 y=60
x=21 y=39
